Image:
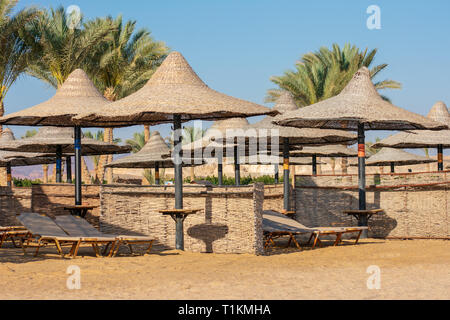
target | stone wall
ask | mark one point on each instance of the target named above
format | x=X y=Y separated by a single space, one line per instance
x=229 y=221
x=415 y=205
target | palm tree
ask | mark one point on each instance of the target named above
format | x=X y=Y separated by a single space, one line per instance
x=370 y=149
x=137 y=143
x=60 y=50
x=123 y=64
x=324 y=73
x=15 y=51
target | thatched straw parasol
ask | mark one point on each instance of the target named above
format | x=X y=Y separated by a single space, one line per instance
x=174 y=90
x=290 y=137
x=76 y=95
x=424 y=138
x=215 y=143
x=174 y=93
x=337 y=150
x=358 y=107
x=395 y=157
x=154 y=154
x=60 y=141
x=10 y=159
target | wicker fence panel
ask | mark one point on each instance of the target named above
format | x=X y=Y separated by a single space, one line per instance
x=415 y=205
x=229 y=220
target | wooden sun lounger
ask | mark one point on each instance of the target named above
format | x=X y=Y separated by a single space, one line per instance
x=12 y=233
x=44 y=231
x=276 y=224
x=76 y=226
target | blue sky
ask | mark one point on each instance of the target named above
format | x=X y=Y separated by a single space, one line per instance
x=236 y=46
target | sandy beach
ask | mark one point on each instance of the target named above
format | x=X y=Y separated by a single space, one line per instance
x=410 y=269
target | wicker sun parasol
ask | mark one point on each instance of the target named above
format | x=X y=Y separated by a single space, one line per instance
x=10 y=159
x=424 y=138
x=51 y=139
x=174 y=89
x=76 y=95
x=289 y=137
x=358 y=107
x=215 y=144
x=395 y=157
x=155 y=154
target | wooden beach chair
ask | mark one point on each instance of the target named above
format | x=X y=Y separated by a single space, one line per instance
x=285 y=223
x=12 y=233
x=44 y=231
x=76 y=226
x=276 y=225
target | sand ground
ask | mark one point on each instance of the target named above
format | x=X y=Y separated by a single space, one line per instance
x=410 y=269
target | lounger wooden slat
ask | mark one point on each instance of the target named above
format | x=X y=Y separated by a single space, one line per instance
x=277 y=224
x=45 y=231
x=74 y=225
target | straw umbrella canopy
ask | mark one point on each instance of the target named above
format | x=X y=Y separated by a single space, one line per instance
x=154 y=154
x=358 y=107
x=10 y=159
x=337 y=150
x=76 y=95
x=52 y=139
x=174 y=93
x=424 y=138
x=290 y=137
x=60 y=141
x=215 y=143
x=395 y=157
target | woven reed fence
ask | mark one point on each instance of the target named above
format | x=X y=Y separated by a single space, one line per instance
x=45 y=199
x=415 y=205
x=230 y=219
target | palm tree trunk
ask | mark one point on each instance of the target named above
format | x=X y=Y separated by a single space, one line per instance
x=107 y=137
x=85 y=174
x=319 y=166
x=3 y=177
x=53 y=179
x=333 y=166
x=109 y=158
x=45 y=173
x=192 y=173
x=344 y=163
x=146 y=132
x=2 y=112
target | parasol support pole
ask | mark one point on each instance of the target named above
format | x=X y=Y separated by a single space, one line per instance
x=77 y=143
x=314 y=165
x=277 y=173
x=179 y=233
x=392 y=167
x=440 y=157
x=69 y=169
x=58 y=164
x=220 y=170
x=237 y=167
x=157 y=180
x=362 y=221
x=8 y=175
x=286 y=185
